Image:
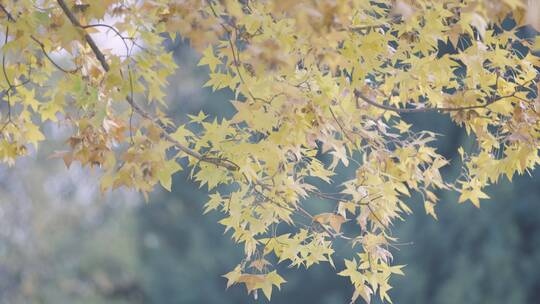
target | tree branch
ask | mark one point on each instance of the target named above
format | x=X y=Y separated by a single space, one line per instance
x=99 y=55
x=370 y=101
x=103 y=61
x=9 y=16
x=42 y=46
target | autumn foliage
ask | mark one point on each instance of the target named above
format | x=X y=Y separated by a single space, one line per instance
x=328 y=78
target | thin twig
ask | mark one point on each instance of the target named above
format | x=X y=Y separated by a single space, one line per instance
x=99 y=55
x=491 y=101
x=42 y=46
x=345 y=133
x=9 y=120
x=112 y=28
x=10 y=86
x=9 y=16
x=103 y=61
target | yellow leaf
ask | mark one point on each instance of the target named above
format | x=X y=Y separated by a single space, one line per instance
x=472 y=193
x=210 y=59
x=233 y=276
x=430 y=209
x=403 y=127
x=33 y=134
x=165 y=174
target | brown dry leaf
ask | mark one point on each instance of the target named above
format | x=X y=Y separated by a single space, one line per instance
x=454 y=34
x=533 y=14
x=65 y=155
x=404 y=9
x=259 y=264
x=251 y=281
x=333 y=220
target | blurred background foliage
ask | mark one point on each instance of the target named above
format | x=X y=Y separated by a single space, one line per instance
x=61 y=241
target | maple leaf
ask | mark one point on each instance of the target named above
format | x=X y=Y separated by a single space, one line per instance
x=233 y=276
x=259 y=264
x=165 y=173
x=210 y=59
x=472 y=193
x=310 y=79
x=333 y=220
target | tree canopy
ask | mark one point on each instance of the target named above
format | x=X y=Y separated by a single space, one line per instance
x=318 y=85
